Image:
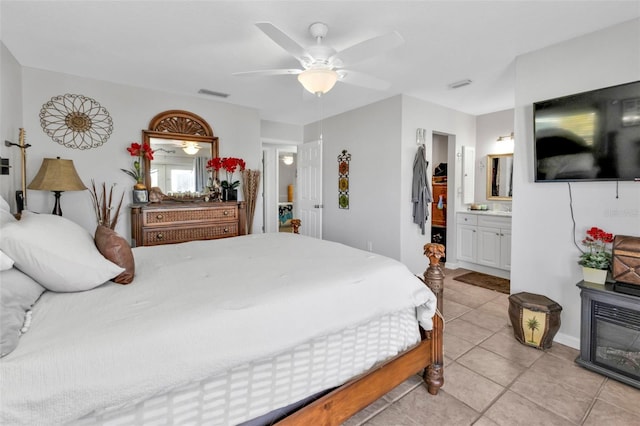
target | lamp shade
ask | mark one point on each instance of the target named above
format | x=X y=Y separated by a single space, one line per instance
x=56 y=174
x=318 y=80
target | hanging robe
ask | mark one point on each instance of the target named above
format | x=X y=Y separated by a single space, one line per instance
x=420 y=192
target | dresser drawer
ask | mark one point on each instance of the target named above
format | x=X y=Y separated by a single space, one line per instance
x=155 y=236
x=172 y=216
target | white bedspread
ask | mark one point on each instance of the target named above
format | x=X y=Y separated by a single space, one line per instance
x=193 y=310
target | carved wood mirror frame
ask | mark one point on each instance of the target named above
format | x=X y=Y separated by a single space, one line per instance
x=178 y=125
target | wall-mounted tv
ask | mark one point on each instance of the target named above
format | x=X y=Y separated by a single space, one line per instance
x=589 y=136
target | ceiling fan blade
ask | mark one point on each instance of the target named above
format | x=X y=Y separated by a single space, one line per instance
x=283 y=40
x=363 y=80
x=291 y=71
x=369 y=48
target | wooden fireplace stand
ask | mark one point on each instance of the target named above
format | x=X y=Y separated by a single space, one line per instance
x=338 y=405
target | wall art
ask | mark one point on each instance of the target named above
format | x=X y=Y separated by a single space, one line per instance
x=76 y=121
x=343 y=179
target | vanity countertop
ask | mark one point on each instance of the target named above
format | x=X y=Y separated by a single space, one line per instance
x=489 y=212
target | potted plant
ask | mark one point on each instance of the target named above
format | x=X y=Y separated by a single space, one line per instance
x=230 y=166
x=596 y=260
x=140 y=152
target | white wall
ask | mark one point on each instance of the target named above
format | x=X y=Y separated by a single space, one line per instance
x=10 y=123
x=489 y=128
x=131 y=109
x=435 y=119
x=371 y=135
x=544 y=258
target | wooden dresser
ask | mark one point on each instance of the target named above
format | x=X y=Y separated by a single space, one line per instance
x=174 y=222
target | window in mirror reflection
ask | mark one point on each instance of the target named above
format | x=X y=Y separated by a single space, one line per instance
x=175 y=170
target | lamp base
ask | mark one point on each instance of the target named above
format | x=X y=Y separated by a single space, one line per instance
x=56 y=207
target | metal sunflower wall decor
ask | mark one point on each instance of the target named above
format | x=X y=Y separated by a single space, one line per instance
x=76 y=121
x=343 y=179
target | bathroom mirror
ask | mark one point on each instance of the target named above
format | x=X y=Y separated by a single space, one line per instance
x=499 y=176
x=182 y=143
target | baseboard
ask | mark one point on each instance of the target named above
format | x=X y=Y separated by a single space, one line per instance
x=565 y=339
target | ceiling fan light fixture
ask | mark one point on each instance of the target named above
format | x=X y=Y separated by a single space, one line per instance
x=190 y=148
x=318 y=80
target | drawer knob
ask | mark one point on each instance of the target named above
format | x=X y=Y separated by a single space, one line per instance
x=159 y=217
x=226 y=230
x=159 y=236
x=226 y=213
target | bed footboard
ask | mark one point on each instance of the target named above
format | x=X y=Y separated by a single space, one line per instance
x=434 y=279
x=427 y=356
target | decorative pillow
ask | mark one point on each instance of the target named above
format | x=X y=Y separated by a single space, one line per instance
x=5 y=213
x=5 y=261
x=56 y=252
x=116 y=249
x=18 y=292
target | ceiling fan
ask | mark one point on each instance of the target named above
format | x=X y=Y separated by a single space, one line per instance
x=322 y=65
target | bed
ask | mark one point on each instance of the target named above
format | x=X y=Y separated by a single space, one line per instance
x=219 y=332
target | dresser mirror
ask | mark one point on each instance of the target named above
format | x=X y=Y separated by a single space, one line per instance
x=499 y=176
x=182 y=143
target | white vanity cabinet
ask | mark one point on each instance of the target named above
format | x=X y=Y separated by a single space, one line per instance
x=467 y=237
x=484 y=239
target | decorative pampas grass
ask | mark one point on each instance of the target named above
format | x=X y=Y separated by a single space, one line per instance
x=250 y=184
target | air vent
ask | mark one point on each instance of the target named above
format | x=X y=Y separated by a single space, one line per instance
x=212 y=93
x=460 y=83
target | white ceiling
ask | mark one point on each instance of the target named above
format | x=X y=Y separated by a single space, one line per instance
x=183 y=46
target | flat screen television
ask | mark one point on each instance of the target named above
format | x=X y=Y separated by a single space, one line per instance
x=589 y=136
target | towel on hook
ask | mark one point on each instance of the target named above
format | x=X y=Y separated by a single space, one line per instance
x=420 y=192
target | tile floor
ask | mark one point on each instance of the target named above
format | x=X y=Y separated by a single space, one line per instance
x=492 y=379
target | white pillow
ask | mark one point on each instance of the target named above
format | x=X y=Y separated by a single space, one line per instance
x=56 y=252
x=18 y=292
x=5 y=262
x=5 y=213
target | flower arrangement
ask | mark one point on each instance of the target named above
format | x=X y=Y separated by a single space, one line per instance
x=230 y=165
x=596 y=256
x=139 y=151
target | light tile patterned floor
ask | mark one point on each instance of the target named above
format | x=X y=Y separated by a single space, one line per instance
x=492 y=379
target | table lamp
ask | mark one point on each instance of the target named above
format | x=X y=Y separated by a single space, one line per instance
x=57 y=175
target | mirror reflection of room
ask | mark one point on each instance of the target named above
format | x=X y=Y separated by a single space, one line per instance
x=286 y=180
x=180 y=166
x=499 y=176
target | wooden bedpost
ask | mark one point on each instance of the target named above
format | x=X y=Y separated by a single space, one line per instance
x=295 y=224
x=434 y=279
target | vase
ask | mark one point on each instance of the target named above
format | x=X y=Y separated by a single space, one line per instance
x=229 y=194
x=595 y=276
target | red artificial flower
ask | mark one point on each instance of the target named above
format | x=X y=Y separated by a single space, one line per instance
x=134 y=149
x=230 y=165
x=597 y=234
x=137 y=150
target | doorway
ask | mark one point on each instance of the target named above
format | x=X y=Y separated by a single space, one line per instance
x=440 y=189
x=287 y=172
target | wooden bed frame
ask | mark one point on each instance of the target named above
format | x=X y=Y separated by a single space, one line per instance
x=337 y=406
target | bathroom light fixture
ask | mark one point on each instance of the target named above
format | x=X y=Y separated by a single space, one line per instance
x=507 y=138
x=190 y=148
x=287 y=159
x=318 y=80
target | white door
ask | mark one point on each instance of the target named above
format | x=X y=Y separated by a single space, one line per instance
x=310 y=188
